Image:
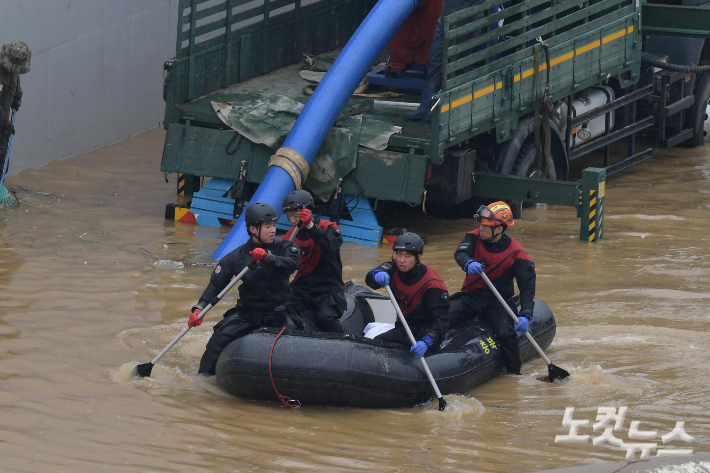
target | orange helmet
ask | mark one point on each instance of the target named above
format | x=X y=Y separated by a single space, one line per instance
x=497 y=213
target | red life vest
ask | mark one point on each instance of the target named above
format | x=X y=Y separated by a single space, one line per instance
x=498 y=263
x=410 y=296
x=310 y=252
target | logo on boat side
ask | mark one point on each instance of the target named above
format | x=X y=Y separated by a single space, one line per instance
x=610 y=421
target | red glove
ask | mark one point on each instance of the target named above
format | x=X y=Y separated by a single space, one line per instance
x=258 y=254
x=194 y=321
x=306 y=216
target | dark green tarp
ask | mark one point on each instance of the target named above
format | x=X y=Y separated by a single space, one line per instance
x=268 y=119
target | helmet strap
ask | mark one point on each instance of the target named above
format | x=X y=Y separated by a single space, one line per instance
x=417 y=265
x=415 y=268
x=501 y=235
x=258 y=233
x=493 y=234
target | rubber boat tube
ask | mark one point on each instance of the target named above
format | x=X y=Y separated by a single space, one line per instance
x=351 y=371
x=326 y=103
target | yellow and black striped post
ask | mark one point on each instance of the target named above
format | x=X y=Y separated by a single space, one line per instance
x=181 y=185
x=187 y=185
x=593 y=187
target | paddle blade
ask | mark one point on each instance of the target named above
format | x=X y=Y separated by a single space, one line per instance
x=442 y=403
x=555 y=372
x=142 y=371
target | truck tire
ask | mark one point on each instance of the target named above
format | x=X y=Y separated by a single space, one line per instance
x=524 y=167
x=699 y=111
x=525 y=160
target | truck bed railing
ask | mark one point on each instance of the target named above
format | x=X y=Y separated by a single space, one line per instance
x=474 y=47
x=491 y=89
x=221 y=44
x=212 y=25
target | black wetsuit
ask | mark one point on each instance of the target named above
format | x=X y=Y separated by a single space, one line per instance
x=429 y=299
x=264 y=296
x=476 y=299
x=318 y=287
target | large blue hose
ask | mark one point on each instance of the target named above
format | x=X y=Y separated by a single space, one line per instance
x=326 y=103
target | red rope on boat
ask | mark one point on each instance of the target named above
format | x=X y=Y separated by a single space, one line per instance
x=287 y=401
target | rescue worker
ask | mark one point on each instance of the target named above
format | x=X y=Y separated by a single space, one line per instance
x=432 y=81
x=264 y=293
x=502 y=258
x=420 y=293
x=318 y=287
x=14 y=60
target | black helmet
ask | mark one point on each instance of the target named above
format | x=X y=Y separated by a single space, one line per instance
x=297 y=200
x=258 y=213
x=409 y=242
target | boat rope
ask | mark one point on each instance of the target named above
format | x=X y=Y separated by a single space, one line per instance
x=287 y=401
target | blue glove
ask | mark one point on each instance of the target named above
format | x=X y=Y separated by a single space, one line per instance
x=421 y=346
x=522 y=325
x=419 y=349
x=473 y=267
x=381 y=277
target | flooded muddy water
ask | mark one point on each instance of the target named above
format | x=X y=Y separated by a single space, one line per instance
x=86 y=293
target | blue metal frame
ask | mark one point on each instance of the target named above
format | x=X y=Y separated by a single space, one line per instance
x=363 y=228
x=210 y=205
x=412 y=79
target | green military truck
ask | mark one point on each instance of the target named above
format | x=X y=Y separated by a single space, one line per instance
x=527 y=88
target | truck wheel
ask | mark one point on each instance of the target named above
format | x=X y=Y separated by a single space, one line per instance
x=699 y=112
x=524 y=167
x=526 y=159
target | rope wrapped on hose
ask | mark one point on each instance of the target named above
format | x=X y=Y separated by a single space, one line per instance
x=649 y=60
x=293 y=163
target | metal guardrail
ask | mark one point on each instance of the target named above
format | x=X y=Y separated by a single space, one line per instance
x=527 y=189
x=587 y=195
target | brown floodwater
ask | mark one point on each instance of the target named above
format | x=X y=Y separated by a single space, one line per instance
x=84 y=297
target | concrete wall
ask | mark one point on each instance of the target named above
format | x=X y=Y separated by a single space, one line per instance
x=96 y=74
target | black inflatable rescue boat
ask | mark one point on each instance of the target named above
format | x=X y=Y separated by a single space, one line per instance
x=349 y=370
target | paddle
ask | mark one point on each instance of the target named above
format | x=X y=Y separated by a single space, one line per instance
x=145 y=369
x=442 y=402
x=554 y=372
